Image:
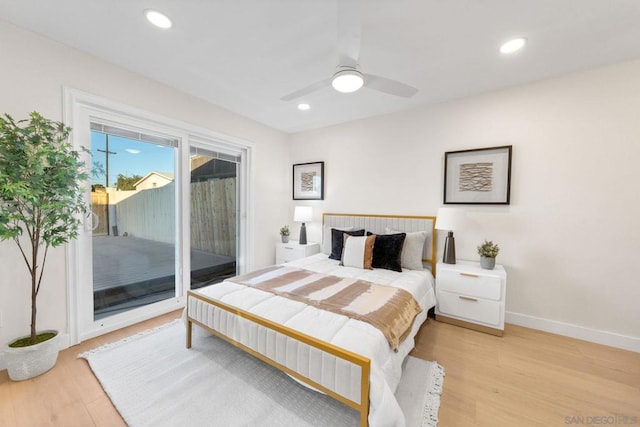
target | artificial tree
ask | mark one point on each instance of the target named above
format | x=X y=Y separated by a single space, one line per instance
x=40 y=194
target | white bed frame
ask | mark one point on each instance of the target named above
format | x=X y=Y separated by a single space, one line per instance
x=271 y=342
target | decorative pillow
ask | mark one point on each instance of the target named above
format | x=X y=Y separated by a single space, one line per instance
x=358 y=251
x=326 y=237
x=337 y=241
x=387 y=251
x=412 y=250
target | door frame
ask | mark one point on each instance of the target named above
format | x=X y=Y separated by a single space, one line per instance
x=78 y=110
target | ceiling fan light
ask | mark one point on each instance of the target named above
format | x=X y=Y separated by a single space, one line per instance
x=347 y=81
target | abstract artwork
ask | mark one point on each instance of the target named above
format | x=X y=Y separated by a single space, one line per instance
x=478 y=176
x=308 y=181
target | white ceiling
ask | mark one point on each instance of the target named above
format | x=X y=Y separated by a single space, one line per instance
x=244 y=55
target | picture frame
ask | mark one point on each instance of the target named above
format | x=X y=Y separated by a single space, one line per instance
x=308 y=181
x=478 y=176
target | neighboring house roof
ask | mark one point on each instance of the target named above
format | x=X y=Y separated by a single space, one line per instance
x=166 y=175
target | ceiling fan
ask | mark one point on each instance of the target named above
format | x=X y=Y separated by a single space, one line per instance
x=349 y=77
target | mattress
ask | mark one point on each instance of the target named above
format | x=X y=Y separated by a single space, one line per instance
x=350 y=334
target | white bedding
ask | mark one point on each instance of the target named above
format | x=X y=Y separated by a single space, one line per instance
x=353 y=335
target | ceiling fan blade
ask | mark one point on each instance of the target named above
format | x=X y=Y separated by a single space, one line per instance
x=349 y=32
x=389 y=86
x=307 y=90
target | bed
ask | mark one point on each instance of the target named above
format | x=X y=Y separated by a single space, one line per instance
x=346 y=358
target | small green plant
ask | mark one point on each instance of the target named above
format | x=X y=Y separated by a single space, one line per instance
x=284 y=231
x=488 y=249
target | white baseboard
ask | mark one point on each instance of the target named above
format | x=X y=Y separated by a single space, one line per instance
x=64 y=342
x=567 y=329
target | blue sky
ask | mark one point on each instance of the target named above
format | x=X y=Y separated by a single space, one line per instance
x=131 y=158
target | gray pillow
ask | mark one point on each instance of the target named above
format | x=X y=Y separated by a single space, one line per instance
x=412 y=249
x=326 y=237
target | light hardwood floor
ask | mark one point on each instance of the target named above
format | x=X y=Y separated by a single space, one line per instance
x=526 y=378
x=529 y=378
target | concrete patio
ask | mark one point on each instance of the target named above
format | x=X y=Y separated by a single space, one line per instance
x=129 y=272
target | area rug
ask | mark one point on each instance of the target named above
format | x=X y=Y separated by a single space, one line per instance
x=153 y=380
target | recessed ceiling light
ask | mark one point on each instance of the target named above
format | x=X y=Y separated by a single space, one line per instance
x=304 y=107
x=347 y=80
x=158 y=19
x=513 y=45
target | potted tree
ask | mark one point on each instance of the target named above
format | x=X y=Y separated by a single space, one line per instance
x=488 y=252
x=40 y=203
x=284 y=234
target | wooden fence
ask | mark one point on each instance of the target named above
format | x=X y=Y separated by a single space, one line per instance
x=100 y=207
x=150 y=214
x=213 y=216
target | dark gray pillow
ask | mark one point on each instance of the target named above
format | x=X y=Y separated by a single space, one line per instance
x=337 y=241
x=387 y=251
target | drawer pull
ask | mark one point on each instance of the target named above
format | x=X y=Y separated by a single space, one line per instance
x=469 y=275
x=286 y=247
x=467 y=298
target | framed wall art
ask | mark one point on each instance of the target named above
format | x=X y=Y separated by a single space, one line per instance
x=308 y=181
x=478 y=177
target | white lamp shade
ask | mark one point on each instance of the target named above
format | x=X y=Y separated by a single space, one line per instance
x=303 y=214
x=449 y=219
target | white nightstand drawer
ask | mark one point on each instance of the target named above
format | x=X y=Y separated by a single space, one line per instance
x=292 y=251
x=469 y=282
x=289 y=252
x=470 y=308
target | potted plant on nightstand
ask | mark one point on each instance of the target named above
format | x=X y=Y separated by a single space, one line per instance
x=488 y=252
x=40 y=203
x=284 y=234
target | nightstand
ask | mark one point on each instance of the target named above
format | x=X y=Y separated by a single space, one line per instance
x=470 y=296
x=291 y=251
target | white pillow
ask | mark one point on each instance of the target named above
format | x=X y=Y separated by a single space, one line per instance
x=358 y=251
x=412 y=249
x=326 y=237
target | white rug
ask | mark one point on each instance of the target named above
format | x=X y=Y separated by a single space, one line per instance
x=153 y=380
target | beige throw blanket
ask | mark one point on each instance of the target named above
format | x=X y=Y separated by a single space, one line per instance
x=389 y=309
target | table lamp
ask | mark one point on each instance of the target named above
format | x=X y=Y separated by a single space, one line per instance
x=448 y=219
x=303 y=214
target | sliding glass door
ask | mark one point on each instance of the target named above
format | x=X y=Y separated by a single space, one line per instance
x=133 y=200
x=213 y=216
x=169 y=205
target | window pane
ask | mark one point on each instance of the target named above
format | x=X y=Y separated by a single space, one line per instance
x=213 y=218
x=133 y=197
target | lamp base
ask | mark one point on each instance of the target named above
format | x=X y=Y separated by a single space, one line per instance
x=449 y=256
x=303 y=235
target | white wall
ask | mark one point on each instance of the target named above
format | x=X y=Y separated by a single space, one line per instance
x=570 y=239
x=33 y=72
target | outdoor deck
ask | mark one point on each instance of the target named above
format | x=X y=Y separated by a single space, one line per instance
x=129 y=271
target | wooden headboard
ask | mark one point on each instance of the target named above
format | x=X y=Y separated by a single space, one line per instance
x=377 y=223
